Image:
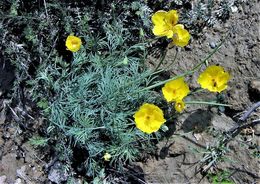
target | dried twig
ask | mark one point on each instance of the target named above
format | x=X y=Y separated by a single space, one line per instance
x=249 y=111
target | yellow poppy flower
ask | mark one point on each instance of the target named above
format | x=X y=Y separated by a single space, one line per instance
x=179 y=105
x=165 y=24
x=181 y=36
x=149 y=118
x=214 y=78
x=175 y=90
x=107 y=157
x=73 y=43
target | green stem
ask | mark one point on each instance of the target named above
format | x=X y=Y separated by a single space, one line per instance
x=175 y=57
x=189 y=72
x=161 y=61
x=207 y=103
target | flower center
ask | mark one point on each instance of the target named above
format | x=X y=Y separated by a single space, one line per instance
x=148 y=117
x=179 y=105
x=215 y=84
x=74 y=43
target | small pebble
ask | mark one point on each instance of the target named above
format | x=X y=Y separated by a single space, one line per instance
x=212 y=45
x=234 y=9
x=257 y=129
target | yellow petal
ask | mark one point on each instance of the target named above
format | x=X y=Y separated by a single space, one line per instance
x=162 y=30
x=158 y=17
x=181 y=36
x=172 y=17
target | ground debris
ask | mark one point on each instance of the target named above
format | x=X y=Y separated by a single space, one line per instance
x=57 y=173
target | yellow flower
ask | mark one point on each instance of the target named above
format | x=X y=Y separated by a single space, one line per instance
x=107 y=157
x=181 y=36
x=73 y=43
x=149 y=118
x=179 y=105
x=214 y=78
x=175 y=90
x=165 y=24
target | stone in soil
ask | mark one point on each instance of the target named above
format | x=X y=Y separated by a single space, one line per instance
x=57 y=174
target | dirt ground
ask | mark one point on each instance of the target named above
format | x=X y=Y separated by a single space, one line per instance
x=178 y=157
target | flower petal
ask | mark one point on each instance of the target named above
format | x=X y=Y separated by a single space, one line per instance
x=172 y=17
x=181 y=36
x=158 y=17
x=162 y=30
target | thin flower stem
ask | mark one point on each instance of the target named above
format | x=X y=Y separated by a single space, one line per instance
x=207 y=103
x=161 y=61
x=175 y=57
x=189 y=72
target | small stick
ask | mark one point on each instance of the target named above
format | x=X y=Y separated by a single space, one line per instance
x=249 y=111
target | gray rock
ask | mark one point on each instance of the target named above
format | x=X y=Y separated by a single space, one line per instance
x=22 y=173
x=254 y=89
x=57 y=174
x=18 y=181
x=222 y=122
x=257 y=129
x=3 y=179
x=212 y=45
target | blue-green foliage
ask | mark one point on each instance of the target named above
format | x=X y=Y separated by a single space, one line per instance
x=92 y=100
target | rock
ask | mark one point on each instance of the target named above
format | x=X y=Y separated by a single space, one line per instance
x=57 y=173
x=19 y=181
x=212 y=45
x=3 y=179
x=8 y=164
x=222 y=122
x=7 y=135
x=21 y=173
x=234 y=9
x=257 y=129
x=254 y=89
